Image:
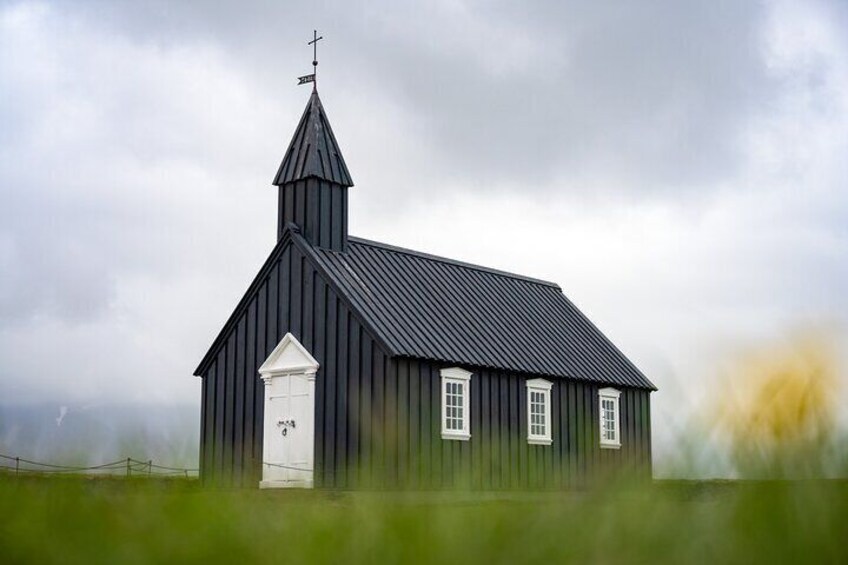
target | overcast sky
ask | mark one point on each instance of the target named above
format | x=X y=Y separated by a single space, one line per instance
x=679 y=168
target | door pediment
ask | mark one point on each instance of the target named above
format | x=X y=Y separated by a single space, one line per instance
x=289 y=357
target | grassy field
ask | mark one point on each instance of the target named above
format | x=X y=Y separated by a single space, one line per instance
x=79 y=520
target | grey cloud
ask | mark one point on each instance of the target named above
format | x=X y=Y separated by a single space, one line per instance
x=653 y=91
x=548 y=95
x=107 y=164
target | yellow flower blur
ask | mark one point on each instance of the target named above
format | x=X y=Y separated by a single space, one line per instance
x=780 y=400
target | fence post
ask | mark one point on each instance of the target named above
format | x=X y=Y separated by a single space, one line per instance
x=17 y=464
x=128 y=466
x=149 y=467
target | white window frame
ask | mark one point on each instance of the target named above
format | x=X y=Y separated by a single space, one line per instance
x=544 y=387
x=463 y=377
x=612 y=395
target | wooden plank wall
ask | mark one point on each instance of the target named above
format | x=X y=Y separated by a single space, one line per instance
x=294 y=298
x=498 y=456
x=378 y=419
x=318 y=207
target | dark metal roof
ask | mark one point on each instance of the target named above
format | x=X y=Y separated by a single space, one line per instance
x=434 y=308
x=313 y=151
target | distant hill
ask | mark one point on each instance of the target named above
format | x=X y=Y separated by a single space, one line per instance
x=97 y=433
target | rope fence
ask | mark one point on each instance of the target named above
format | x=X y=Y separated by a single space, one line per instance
x=130 y=467
x=286 y=467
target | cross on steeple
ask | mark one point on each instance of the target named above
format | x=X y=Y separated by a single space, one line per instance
x=314 y=44
x=313 y=78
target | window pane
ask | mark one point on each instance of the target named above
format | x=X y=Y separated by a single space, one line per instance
x=454 y=405
x=538 y=406
x=609 y=417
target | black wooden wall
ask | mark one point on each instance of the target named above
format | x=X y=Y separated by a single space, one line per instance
x=318 y=207
x=292 y=297
x=378 y=418
x=498 y=456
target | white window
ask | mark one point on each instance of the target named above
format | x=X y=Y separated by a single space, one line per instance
x=455 y=403
x=539 y=412
x=610 y=421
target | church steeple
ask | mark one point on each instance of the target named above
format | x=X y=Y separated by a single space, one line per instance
x=313 y=180
x=313 y=151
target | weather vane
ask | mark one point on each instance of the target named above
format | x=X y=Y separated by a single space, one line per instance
x=313 y=78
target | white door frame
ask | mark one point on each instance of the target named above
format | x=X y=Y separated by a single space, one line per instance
x=289 y=361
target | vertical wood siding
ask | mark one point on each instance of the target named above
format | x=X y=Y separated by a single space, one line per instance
x=498 y=456
x=294 y=298
x=318 y=207
x=378 y=419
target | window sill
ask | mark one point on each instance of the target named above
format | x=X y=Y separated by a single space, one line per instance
x=461 y=436
x=539 y=441
x=610 y=446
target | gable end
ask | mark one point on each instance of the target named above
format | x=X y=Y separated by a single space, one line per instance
x=291 y=237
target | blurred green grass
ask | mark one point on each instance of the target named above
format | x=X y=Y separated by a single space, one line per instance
x=112 y=520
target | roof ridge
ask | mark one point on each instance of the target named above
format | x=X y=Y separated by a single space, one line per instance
x=395 y=248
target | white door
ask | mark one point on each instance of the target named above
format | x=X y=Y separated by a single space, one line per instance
x=289 y=426
x=291 y=409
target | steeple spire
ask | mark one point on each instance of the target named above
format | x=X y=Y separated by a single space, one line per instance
x=313 y=151
x=313 y=181
x=313 y=178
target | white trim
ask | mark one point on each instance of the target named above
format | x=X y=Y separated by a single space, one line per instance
x=274 y=366
x=540 y=383
x=610 y=392
x=455 y=375
x=534 y=441
x=612 y=395
x=544 y=387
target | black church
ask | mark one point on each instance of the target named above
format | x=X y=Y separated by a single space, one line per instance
x=350 y=363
